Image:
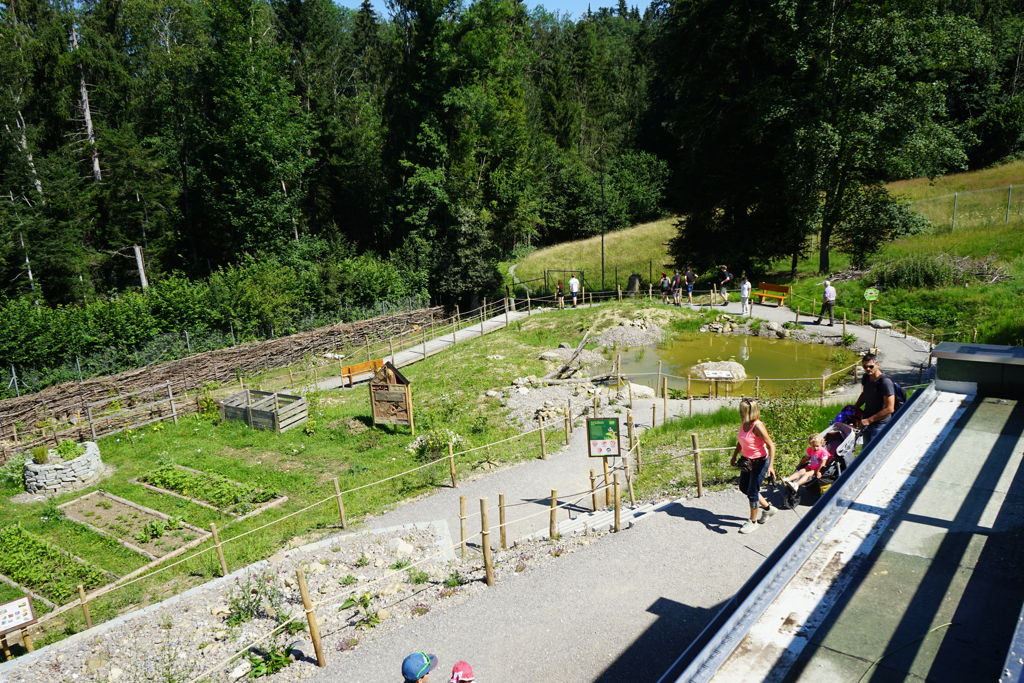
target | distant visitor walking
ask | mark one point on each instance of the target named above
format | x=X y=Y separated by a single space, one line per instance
x=691 y=280
x=666 y=287
x=560 y=295
x=745 y=296
x=756 y=460
x=724 y=278
x=574 y=289
x=677 y=289
x=828 y=303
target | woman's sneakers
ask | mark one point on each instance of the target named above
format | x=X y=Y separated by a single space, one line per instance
x=765 y=514
x=748 y=527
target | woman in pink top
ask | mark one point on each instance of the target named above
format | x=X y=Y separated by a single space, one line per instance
x=758 y=454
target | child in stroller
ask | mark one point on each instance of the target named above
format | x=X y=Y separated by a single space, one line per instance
x=837 y=443
x=811 y=464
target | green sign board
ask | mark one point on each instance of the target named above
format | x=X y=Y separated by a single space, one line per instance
x=603 y=437
x=871 y=294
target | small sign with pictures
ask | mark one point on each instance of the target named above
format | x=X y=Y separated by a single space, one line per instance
x=871 y=294
x=718 y=374
x=603 y=437
x=16 y=615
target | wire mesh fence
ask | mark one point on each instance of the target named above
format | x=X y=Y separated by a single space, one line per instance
x=972 y=208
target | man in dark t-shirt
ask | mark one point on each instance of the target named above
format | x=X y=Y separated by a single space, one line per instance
x=877 y=396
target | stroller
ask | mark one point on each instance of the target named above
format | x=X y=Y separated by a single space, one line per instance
x=839 y=441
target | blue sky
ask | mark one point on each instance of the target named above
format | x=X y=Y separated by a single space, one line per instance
x=575 y=8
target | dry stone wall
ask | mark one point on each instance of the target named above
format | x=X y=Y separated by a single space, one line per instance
x=58 y=476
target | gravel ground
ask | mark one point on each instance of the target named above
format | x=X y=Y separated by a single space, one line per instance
x=184 y=638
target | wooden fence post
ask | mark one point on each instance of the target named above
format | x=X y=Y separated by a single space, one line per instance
x=543 y=439
x=664 y=399
x=618 y=503
x=974 y=337
x=462 y=525
x=654 y=414
x=366 y=342
x=844 y=324
x=658 y=385
x=568 y=426
x=629 y=429
x=85 y=606
x=391 y=347
x=451 y=465
x=6 y=648
x=821 y=399
x=174 y=408
x=501 y=521
x=797 y=318
x=529 y=310
x=26 y=640
x=553 y=516
x=696 y=466
x=483 y=314
x=629 y=480
x=341 y=505
x=874 y=341
x=607 y=483
x=618 y=369
x=595 y=405
x=424 y=343
x=220 y=550
x=314 y=628
x=485 y=542
x=593 y=490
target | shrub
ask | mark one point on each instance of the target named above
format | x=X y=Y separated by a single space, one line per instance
x=434 y=444
x=69 y=450
x=914 y=271
x=417 y=576
x=40 y=455
x=12 y=471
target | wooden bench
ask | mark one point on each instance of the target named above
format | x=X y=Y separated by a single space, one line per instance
x=766 y=292
x=348 y=372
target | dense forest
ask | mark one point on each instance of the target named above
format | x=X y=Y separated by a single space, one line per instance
x=286 y=162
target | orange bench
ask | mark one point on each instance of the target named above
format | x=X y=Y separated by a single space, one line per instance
x=767 y=289
x=350 y=371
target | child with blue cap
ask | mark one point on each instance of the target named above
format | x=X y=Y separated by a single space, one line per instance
x=417 y=666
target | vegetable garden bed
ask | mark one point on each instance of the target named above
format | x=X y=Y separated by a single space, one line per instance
x=210 y=490
x=146 y=531
x=40 y=566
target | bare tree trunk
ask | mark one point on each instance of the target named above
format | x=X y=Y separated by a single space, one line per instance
x=90 y=132
x=22 y=141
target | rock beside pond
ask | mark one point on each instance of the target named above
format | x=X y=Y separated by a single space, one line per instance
x=738 y=372
x=880 y=324
x=639 y=391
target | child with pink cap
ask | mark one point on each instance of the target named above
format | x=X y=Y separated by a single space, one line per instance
x=461 y=673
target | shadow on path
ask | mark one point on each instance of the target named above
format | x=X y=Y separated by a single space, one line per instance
x=711 y=521
x=657 y=647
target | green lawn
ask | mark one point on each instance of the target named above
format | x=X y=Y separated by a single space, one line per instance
x=987 y=178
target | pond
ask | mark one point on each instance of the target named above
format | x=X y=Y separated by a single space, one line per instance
x=771 y=360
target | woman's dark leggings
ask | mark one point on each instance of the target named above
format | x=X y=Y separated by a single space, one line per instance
x=750 y=482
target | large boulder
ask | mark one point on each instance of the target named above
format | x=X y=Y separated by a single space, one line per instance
x=700 y=370
x=639 y=391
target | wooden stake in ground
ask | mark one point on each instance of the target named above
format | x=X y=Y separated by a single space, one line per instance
x=664 y=400
x=85 y=606
x=844 y=324
x=629 y=429
x=698 y=473
x=501 y=520
x=26 y=640
x=595 y=405
x=658 y=385
x=654 y=414
x=314 y=628
x=821 y=399
x=618 y=503
x=618 y=370
x=220 y=550
x=543 y=439
x=568 y=426
x=874 y=341
x=8 y=655
x=341 y=504
x=451 y=465
x=485 y=542
x=593 y=490
x=462 y=525
x=553 y=516
x=607 y=483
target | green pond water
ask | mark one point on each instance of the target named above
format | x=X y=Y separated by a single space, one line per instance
x=770 y=359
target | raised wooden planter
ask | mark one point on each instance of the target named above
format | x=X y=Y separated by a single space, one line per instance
x=265 y=409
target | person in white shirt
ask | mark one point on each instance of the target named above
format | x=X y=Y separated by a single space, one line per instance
x=574 y=289
x=828 y=304
x=745 y=307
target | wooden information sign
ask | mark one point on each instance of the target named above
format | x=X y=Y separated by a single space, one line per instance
x=391 y=397
x=603 y=437
x=16 y=615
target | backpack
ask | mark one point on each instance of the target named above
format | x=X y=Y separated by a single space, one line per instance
x=899 y=393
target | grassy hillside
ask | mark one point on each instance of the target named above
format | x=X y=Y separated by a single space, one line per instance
x=641 y=249
x=992 y=309
x=994 y=177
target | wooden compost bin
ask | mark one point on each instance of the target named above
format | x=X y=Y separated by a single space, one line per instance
x=265 y=409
